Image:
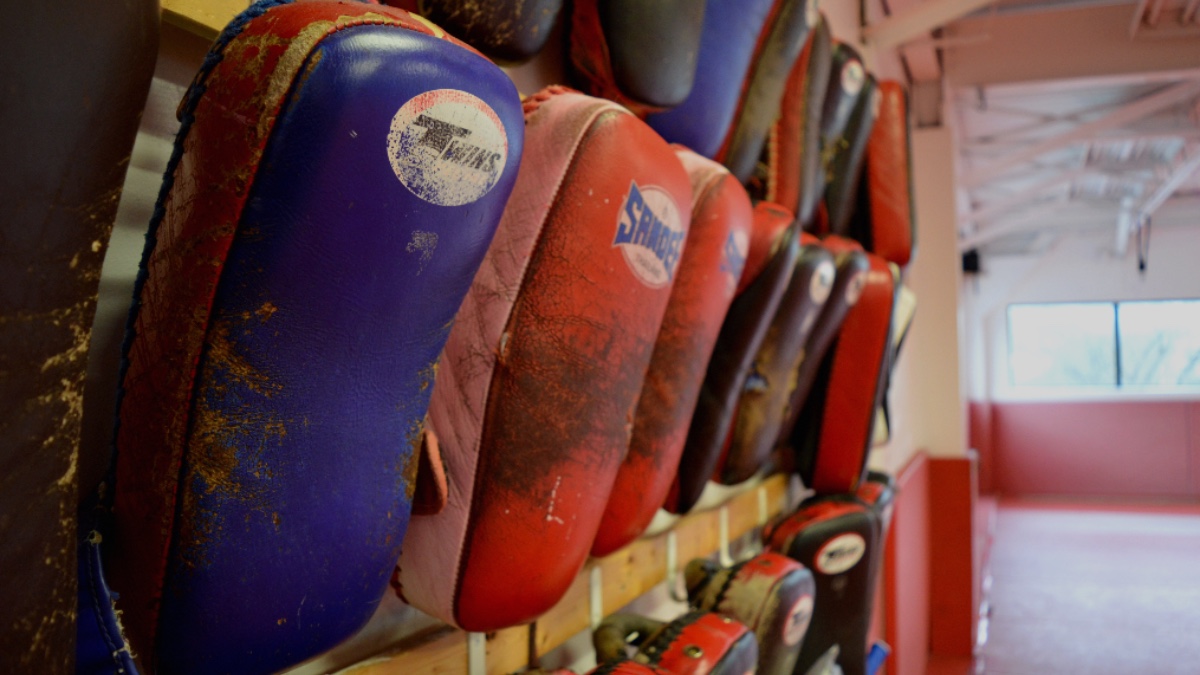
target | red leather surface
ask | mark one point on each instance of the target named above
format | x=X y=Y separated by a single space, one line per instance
x=794 y=145
x=778 y=536
x=535 y=393
x=889 y=178
x=709 y=272
x=711 y=644
x=856 y=382
x=219 y=160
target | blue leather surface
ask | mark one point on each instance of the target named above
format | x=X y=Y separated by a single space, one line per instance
x=100 y=648
x=731 y=31
x=336 y=298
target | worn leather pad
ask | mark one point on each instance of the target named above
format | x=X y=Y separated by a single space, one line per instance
x=505 y=30
x=695 y=643
x=770 y=593
x=883 y=220
x=851 y=275
x=845 y=165
x=783 y=39
x=640 y=54
x=793 y=152
x=832 y=436
x=708 y=274
x=321 y=222
x=729 y=44
x=847 y=77
x=765 y=394
x=774 y=249
x=75 y=80
x=837 y=539
x=536 y=388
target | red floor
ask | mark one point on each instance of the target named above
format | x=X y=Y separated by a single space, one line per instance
x=1097 y=589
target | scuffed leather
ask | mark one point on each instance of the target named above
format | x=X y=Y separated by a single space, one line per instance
x=509 y=31
x=794 y=173
x=696 y=643
x=770 y=593
x=814 y=536
x=774 y=249
x=295 y=296
x=640 y=54
x=883 y=221
x=852 y=267
x=709 y=273
x=846 y=165
x=832 y=437
x=846 y=80
x=764 y=396
x=729 y=44
x=760 y=103
x=536 y=389
x=75 y=80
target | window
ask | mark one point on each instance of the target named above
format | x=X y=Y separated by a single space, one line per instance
x=1105 y=344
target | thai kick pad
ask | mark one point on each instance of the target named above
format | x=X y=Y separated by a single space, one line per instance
x=536 y=389
x=883 y=221
x=75 y=82
x=850 y=277
x=794 y=174
x=845 y=164
x=772 y=377
x=340 y=171
x=774 y=249
x=833 y=433
x=640 y=54
x=707 y=276
x=846 y=80
x=770 y=593
x=836 y=538
x=696 y=643
x=746 y=52
x=506 y=30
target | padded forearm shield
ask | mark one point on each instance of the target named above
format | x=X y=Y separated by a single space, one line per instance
x=709 y=272
x=340 y=172
x=506 y=30
x=536 y=389
x=883 y=221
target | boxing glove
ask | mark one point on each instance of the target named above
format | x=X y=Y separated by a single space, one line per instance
x=765 y=394
x=508 y=31
x=536 y=389
x=696 y=643
x=770 y=593
x=774 y=249
x=339 y=173
x=709 y=272
x=639 y=54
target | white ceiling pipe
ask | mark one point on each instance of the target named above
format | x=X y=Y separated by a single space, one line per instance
x=915 y=22
x=1123 y=115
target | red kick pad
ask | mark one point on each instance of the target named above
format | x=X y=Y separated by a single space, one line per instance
x=833 y=433
x=696 y=643
x=712 y=264
x=883 y=222
x=536 y=388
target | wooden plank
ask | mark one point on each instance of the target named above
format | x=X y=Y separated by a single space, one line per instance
x=205 y=18
x=625 y=575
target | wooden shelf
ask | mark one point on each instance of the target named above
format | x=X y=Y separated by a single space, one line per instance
x=618 y=579
x=205 y=18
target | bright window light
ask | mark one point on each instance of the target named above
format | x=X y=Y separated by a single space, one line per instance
x=1062 y=344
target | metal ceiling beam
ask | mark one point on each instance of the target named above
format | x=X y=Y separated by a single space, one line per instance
x=915 y=22
x=1019 y=198
x=1182 y=172
x=1130 y=112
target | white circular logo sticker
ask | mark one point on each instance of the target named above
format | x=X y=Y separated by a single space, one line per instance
x=841 y=553
x=650 y=234
x=448 y=147
x=798 y=619
x=821 y=283
x=855 y=288
x=852 y=77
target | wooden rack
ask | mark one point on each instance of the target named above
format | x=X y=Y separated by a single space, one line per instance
x=602 y=587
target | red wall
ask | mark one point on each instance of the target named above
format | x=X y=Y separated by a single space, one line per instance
x=906 y=572
x=1148 y=449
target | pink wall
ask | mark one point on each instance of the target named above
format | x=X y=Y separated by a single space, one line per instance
x=1147 y=449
